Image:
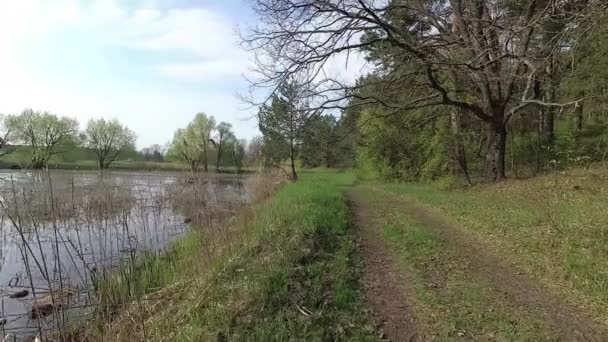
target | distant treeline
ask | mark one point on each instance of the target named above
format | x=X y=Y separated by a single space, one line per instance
x=468 y=90
x=37 y=140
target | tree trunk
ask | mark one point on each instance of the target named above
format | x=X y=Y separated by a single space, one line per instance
x=39 y=162
x=219 y=157
x=578 y=118
x=496 y=150
x=294 y=175
x=193 y=166
x=548 y=124
x=206 y=166
x=459 y=150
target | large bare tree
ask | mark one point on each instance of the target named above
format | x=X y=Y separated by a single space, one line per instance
x=482 y=57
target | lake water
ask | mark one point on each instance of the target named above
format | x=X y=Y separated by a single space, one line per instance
x=60 y=227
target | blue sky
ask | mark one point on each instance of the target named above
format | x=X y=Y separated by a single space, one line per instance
x=151 y=64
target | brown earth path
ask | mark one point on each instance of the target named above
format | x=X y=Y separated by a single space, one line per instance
x=385 y=287
x=386 y=284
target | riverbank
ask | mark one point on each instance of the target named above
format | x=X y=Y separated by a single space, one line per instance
x=286 y=269
x=120 y=165
x=328 y=258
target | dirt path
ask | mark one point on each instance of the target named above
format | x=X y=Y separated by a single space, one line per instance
x=565 y=321
x=385 y=287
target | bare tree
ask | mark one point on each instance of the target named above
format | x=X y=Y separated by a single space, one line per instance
x=155 y=152
x=253 y=155
x=480 y=56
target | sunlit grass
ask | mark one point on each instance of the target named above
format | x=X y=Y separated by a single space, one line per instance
x=287 y=270
x=447 y=302
x=555 y=226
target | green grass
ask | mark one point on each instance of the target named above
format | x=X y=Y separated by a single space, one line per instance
x=555 y=227
x=287 y=271
x=146 y=273
x=448 y=304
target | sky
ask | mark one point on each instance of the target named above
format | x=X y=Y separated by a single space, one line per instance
x=152 y=64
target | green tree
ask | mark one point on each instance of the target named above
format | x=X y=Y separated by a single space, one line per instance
x=184 y=147
x=6 y=135
x=46 y=133
x=224 y=134
x=319 y=142
x=282 y=124
x=108 y=139
x=202 y=126
x=191 y=144
x=480 y=57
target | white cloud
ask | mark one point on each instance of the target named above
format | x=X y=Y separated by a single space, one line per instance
x=198 y=30
x=108 y=9
x=214 y=69
x=347 y=67
x=195 y=45
x=205 y=34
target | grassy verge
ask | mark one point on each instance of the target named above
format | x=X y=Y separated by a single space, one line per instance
x=288 y=270
x=555 y=226
x=447 y=303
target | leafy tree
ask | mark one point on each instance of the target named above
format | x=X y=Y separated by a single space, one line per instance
x=282 y=124
x=224 y=134
x=6 y=135
x=191 y=144
x=319 y=142
x=185 y=147
x=108 y=139
x=46 y=133
x=202 y=126
x=481 y=57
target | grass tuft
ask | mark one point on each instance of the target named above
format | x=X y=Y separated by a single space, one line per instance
x=286 y=271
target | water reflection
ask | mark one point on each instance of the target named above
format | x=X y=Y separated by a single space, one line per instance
x=59 y=231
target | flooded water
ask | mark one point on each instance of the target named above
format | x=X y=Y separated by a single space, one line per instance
x=58 y=232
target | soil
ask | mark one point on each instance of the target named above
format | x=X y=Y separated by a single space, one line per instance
x=387 y=285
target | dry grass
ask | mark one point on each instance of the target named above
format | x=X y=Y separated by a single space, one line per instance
x=108 y=235
x=282 y=269
x=170 y=286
